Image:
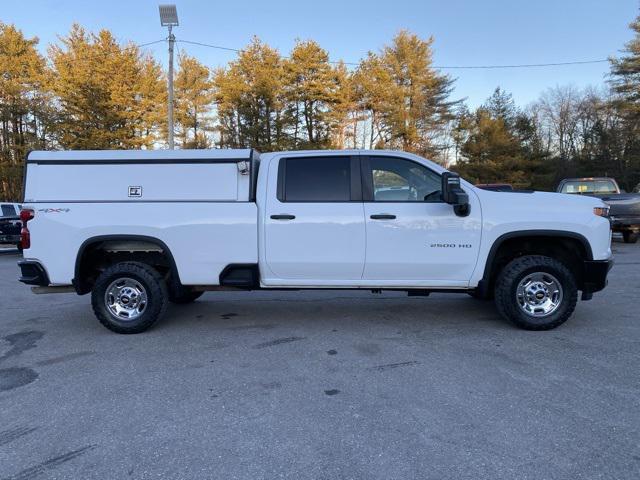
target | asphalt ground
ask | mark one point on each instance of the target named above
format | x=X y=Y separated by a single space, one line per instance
x=320 y=385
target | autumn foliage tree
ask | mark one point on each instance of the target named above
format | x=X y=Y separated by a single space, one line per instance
x=194 y=96
x=251 y=100
x=109 y=96
x=315 y=90
x=24 y=106
x=93 y=92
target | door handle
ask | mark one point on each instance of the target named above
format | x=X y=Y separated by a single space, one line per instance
x=283 y=216
x=382 y=216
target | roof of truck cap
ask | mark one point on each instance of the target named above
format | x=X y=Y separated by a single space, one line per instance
x=144 y=156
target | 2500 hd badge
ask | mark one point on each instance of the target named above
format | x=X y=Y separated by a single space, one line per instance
x=451 y=245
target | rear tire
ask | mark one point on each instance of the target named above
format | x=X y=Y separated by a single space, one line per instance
x=630 y=237
x=19 y=246
x=129 y=297
x=536 y=292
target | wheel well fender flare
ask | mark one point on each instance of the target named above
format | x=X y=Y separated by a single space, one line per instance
x=497 y=243
x=103 y=238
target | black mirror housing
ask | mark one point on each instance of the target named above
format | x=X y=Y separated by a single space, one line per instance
x=453 y=194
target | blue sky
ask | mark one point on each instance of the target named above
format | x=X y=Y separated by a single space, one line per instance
x=466 y=32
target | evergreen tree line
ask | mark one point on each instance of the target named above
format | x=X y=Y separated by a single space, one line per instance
x=91 y=92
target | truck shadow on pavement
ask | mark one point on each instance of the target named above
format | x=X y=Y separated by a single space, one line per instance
x=299 y=311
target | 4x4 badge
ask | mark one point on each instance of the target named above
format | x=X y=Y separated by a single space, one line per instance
x=53 y=210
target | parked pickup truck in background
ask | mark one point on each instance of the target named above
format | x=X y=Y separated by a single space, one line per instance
x=10 y=224
x=624 y=210
x=139 y=228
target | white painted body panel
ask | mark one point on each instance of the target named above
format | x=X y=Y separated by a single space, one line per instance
x=203 y=214
x=86 y=178
x=203 y=237
x=199 y=210
x=506 y=212
x=324 y=243
x=425 y=242
x=92 y=183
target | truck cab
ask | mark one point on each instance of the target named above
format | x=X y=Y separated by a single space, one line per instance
x=138 y=229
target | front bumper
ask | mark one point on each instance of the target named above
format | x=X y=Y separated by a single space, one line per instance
x=33 y=273
x=594 y=276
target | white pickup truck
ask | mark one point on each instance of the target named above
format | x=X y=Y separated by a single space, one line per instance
x=140 y=228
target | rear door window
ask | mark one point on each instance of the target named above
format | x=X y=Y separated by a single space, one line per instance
x=316 y=179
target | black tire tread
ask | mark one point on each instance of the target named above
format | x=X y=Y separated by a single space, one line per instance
x=156 y=289
x=510 y=274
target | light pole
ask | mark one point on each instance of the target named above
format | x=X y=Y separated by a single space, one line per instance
x=169 y=19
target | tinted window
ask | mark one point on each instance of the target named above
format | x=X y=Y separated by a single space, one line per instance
x=399 y=180
x=317 y=179
x=8 y=210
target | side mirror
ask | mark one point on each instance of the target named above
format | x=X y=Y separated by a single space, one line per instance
x=453 y=194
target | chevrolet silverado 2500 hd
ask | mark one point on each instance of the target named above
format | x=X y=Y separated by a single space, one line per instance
x=137 y=229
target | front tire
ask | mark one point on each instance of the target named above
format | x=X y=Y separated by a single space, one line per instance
x=536 y=292
x=630 y=237
x=129 y=297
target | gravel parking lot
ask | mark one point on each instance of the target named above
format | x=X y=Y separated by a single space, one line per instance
x=320 y=385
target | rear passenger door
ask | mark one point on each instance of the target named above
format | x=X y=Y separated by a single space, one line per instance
x=314 y=224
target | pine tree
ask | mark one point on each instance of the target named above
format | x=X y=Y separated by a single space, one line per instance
x=315 y=93
x=498 y=143
x=374 y=91
x=110 y=96
x=194 y=95
x=250 y=100
x=501 y=105
x=625 y=81
x=419 y=109
x=625 y=75
x=24 y=108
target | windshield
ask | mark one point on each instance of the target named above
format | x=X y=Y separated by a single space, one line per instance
x=589 y=186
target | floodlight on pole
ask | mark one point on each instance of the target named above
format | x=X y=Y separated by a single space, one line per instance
x=169 y=19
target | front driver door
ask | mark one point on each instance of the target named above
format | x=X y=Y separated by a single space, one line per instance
x=413 y=238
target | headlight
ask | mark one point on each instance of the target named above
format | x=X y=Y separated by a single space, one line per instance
x=601 y=211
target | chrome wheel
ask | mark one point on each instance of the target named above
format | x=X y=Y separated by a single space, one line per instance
x=539 y=294
x=126 y=299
